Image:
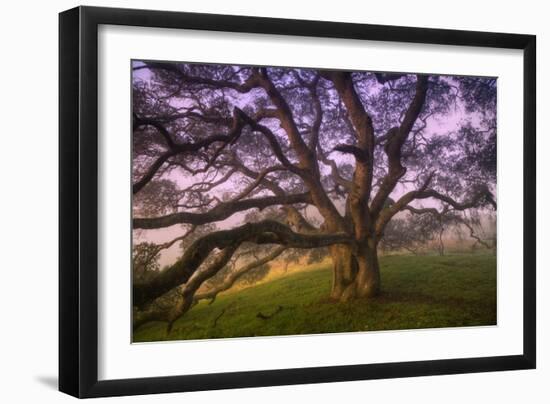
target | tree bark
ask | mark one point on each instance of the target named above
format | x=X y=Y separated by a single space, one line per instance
x=368 y=276
x=355 y=274
x=344 y=270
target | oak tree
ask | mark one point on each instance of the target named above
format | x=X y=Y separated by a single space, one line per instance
x=334 y=155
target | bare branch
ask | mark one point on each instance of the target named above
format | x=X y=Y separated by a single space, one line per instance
x=483 y=197
x=159 y=247
x=396 y=137
x=152 y=170
x=387 y=213
x=473 y=233
x=230 y=280
x=219 y=212
x=245 y=87
x=181 y=148
x=259 y=179
x=294 y=217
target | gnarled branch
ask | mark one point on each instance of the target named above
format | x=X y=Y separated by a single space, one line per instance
x=264 y=232
x=483 y=197
x=219 y=212
x=230 y=280
x=396 y=137
x=188 y=147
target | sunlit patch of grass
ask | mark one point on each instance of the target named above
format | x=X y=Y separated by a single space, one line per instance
x=418 y=292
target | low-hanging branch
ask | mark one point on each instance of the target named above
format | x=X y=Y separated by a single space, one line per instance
x=234 y=276
x=186 y=297
x=183 y=302
x=264 y=232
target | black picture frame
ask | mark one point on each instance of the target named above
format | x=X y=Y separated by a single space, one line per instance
x=78 y=196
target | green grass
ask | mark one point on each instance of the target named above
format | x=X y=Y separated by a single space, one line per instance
x=418 y=292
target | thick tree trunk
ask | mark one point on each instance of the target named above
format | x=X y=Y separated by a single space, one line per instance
x=368 y=276
x=354 y=275
x=344 y=270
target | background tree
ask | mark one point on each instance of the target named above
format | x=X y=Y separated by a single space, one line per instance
x=411 y=233
x=425 y=230
x=337 y=153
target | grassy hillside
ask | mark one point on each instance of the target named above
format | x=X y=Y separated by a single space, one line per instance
x=418 y=292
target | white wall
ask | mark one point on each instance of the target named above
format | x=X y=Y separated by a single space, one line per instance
x=28 y=202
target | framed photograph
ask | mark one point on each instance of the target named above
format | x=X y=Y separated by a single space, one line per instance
x=251 y=201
